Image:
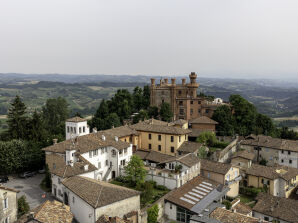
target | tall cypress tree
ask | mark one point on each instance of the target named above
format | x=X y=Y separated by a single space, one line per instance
x=17 y=119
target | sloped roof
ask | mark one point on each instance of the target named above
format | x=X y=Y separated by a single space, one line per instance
x=53 y=211
x=187 y=159
x=227 y=216
x=152 y=156
x=87 y=143
x=8 y=188
x=76 y=119
x=98 y=193
x=58 y=166
x=118 y=131
x=179 y=122
x=203 y=120
x=165 y=129
x=244 y=154
x=277 y=207
x=272 y=172
x=107 y=219
x=189 y=147
x=215 y=167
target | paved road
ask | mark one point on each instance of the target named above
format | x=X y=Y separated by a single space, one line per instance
x=30 y=188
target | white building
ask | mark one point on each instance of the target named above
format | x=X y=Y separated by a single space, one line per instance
x=76 y=126
x=170 y=171
x=90 y=199
x=8 y=204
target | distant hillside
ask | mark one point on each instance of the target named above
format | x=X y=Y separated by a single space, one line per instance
x=84 y=92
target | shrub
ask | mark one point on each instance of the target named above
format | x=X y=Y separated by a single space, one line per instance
x=23 y=206
x=161 y=187
x=152 y=182
x=250 y=191
x=227 y=204
x=152 y=213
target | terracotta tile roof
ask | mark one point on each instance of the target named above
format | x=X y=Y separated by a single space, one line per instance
x=226 y=216
x=269 y=142
x=76 y=119
x=240 y=207
x=244 y=154
x=272 y=172
x=186 y=159
x=179 y=122
x=8 y=188
x=152 y=156
x=165 y=129
x=57 y=166
x=203 y=120
x=189 y=147
x=107 y=219
x=119 y=132
x=277 y=207
x=98 y=193
x=53 y=211
x=191 y=193
x=216 y=167
x=87 y=143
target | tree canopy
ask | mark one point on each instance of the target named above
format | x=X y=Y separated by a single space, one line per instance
x=134 y=171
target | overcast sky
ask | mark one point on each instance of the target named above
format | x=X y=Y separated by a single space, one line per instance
x=218 y=38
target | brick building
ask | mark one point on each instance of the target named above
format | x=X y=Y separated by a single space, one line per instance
x=183 y=98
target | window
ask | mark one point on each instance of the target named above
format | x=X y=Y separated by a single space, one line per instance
x=149 y=136
x=282 y=160
x=125 y=150
x=107 y=162
x=199 y=102
x=289 y=152
x=208 y=175
x=191 y=102
x=80 y=130
x=170 y=206
x=59 y=181
x=120 y=152
x=159 y=137
x=181 y=111
x=207 y=111
x=172 y=138
x=172 y=149
x=74 y=130
x=179 y=138
x=282 y=151
x=71 y=129
x=159 y=147
x=122 y=162
x=179 y=92
x=73 y=199
x=67 y=128
x=5 y=203
x=84 y=129
x=181 y=103
x=90 y=154
x=290 y=161
x=183 y=215
x=266 y=218
x=99 y=165
x=95 y=152
x=6 y=220
x=199 y=111
x=191 y=111
x=149 y=146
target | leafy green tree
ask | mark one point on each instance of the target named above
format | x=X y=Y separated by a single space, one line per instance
x=146 y=97
x=17 y=119
x=202 y=152
x=23 y=206
x=103 y=110
x=36 y=129
x=143 y=115
x=134 y=171
x=48 y=179
x=55 y=113
x=152 y=214
x=148 y=192
x=244 y=115
x=207 y=138
x=223 y=115
x=153 y=112
x=112 y=120
x=138 y=98
x=166 y=113
x=264 y=125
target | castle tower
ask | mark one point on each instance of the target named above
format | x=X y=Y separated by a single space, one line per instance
x=193 y=77
x=75 y=127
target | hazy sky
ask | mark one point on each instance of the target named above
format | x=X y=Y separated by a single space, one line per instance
x=222 y=38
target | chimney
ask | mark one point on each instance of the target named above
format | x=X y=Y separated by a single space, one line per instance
x=173 y=81
x=152 y=81
x=94 y=130
x=103 y=138
x=116 y=138
x=183 y=81
x=166 y=80
x=55 y=141
x=86 y=167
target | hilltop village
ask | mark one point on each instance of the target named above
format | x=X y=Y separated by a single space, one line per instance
x=181 y=170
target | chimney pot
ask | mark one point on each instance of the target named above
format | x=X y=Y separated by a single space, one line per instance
x=55 y=141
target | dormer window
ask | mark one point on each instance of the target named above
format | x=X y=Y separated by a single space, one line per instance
x=113 y=152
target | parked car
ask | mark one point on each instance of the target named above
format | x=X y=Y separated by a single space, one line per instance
x=42 y=170
x=27 y=174
x=3 y=179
